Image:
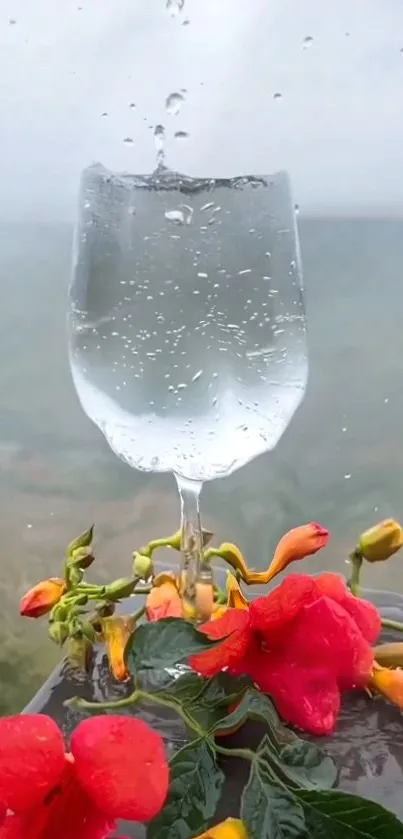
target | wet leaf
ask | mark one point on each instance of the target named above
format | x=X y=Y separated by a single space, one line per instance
x=165 y=643
x=205 y=700
x=269 y=809
x=339 y=815
x=194 y=793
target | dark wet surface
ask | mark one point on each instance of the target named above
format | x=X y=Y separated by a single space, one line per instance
x=367 y=746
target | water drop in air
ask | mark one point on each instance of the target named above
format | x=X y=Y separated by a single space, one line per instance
x=174 y=7
x=173 y=103
x=277 y=96
x=181 y=135
x=307 y=42
x=296 y=209
x=132 y=105
x=128 y=141
x=176 y=216
x=159 y=140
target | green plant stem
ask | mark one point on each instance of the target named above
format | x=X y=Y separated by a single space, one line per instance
x=354 y=581
x=245 y=754
x=139 y=614
x=390 y=624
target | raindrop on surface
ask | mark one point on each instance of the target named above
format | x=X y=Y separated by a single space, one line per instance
x=173 y=103
x=277 y=96
x=128 y=141
x=181 y=135
x=307 y=42
x=174 y=7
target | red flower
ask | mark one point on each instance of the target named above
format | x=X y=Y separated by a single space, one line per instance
x=78 y=796
x=304 y=643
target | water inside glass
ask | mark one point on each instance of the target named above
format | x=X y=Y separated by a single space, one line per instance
x=187 y=324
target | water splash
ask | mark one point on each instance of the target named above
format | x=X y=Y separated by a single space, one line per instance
x=174 y=7
x=173 y=103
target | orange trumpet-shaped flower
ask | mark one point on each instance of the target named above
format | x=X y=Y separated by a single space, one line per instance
x=116 y=632
x=229 y=829
x=41 y=598
x=388 y=683
x=164 y=601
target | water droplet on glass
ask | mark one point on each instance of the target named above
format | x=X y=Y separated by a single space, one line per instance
x=174 y=7
x=128 y=141
x=277 y=96
x=181 y=135
x=173 y=103
x=307 y=42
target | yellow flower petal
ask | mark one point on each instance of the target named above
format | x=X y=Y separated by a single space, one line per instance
x=381 y=541
x=236 y=598
x=230 y=829
x=115 y=633
x=388 y=683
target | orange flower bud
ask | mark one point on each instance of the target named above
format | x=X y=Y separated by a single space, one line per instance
x=381 y=541
x=41 y=598
x=204 y=599
x=116 y=632
x=388 y=683
x=164 y=601
x=297 y=544
x=230 y=829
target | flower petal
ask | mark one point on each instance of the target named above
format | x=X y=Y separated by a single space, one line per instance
x=365 y=614
x=32 y=759
x=229 y=829
x=164 y=601
x=67 y=813
x=234 y=628
x=271 y=613
x=325 y=636
x=388 y=683
x=121 y=763
x=304 y=697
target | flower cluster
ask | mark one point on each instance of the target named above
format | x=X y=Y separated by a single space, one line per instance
x=47 y=793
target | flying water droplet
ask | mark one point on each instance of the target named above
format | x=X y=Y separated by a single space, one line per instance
x=307 y=42
x=296 y=209
x=181 y=135
x=173 y=103
x=176 y=216
x=159 y=140
x=174 y=7
x=132 y=105
x=278 y=96
x=128 y=141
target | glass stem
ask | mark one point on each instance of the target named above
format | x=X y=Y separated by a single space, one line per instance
x=192 y=536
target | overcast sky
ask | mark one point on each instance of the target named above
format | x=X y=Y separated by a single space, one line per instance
x=337 y=128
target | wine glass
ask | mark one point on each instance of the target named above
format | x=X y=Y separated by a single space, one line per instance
x=187 y=333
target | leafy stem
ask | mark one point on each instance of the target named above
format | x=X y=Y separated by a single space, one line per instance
x=354 y=581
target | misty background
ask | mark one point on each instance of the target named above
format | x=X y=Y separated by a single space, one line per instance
x=78 y=83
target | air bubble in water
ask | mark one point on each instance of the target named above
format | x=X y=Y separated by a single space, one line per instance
x=181 y=135
x=174 y=7
x=173 y=103
x=307 y=42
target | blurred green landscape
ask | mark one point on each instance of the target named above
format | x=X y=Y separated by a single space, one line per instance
x=340 y=462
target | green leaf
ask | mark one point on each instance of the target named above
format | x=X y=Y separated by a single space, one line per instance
x=269 y=809
x=205 y=700
x=304 y=763
x=83 y=541
x=273 y=809
x=194 y=793
x=331 y=814
x=165 y=643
